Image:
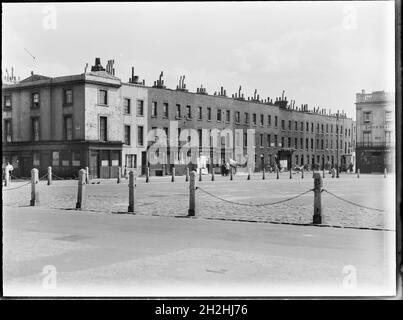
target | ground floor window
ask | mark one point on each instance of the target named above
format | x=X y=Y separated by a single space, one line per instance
x=104 y=158
x=76 y=156
x=14 y=161
x=131 y=161
x=36 y=158
x=66 y=159
x=115 y=155
x=55 y=159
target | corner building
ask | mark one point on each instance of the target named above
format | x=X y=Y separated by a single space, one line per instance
x=73 y=122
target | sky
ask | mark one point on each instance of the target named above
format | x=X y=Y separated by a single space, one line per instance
x=320 y=53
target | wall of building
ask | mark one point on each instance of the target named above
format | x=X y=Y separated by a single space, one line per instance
x=86 y=112
x=375 y=153
x=94 y=110
x=51 y=110
x=134 y=93
x=173 y=97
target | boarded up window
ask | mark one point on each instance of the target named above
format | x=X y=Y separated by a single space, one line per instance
x=68 y=128
x=76 y=156
x=36 y=158
x=55 y=159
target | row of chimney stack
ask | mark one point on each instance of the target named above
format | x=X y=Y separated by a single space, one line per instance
x=182 y=85
x=109 y=67
x=222 y=92
x=7 y=78
x=282 y=101
x=159 y=83
x=135 y=79
x=201 y=90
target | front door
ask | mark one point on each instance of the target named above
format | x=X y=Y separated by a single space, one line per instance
x=25 y=165
x=143 y=162
x=94 y=164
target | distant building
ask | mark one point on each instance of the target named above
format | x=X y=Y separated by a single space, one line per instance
x=375 y=122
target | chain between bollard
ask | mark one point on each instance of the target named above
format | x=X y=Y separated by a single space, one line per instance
x=58 y=178
x=254 y=205
x=43 y=177
x=29 y=182
x=18 y=187
x=353 y=203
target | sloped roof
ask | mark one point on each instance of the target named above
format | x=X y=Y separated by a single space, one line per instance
x=35 y=77
x=103 y=74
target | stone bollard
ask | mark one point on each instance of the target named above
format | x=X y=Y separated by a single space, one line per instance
x=358 y=173
x=173 y=175
x=6 y=177
x=249 y=173
x=34 y=181
x=290 y=173
x=147 y=175
x=264 y=175
x=131 y=192
x=278 y=177
x=119 y=174
x=192 y=194
x=87 y=175
x=49 y=176
x=212 y=174
x=302 y=173
x=323 y=172
x=187 y=174
x=317 y=200
x=231 y=177
x=385 y=172
x=81 y=182
x=200 y=174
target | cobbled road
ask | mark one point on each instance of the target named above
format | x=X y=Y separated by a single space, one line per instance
x=161 y=197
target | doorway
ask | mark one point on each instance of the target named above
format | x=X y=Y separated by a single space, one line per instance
x=94 y=164
x=143 y=162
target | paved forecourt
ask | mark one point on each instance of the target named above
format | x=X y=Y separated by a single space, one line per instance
x=161 y=197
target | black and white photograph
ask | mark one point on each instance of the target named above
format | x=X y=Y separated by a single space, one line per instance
x=201 y=149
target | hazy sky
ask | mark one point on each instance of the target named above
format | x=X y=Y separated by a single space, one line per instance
x=320 y=53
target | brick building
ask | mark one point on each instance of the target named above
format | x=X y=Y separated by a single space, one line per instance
x=96 y=120
x=283 y=133
x=375 y=122
x=74 y=121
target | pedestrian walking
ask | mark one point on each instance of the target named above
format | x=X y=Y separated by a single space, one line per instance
x=227 y=168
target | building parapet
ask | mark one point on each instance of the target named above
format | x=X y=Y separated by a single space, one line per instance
x=375 y=96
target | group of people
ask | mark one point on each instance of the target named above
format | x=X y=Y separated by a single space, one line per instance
x=225 y=168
